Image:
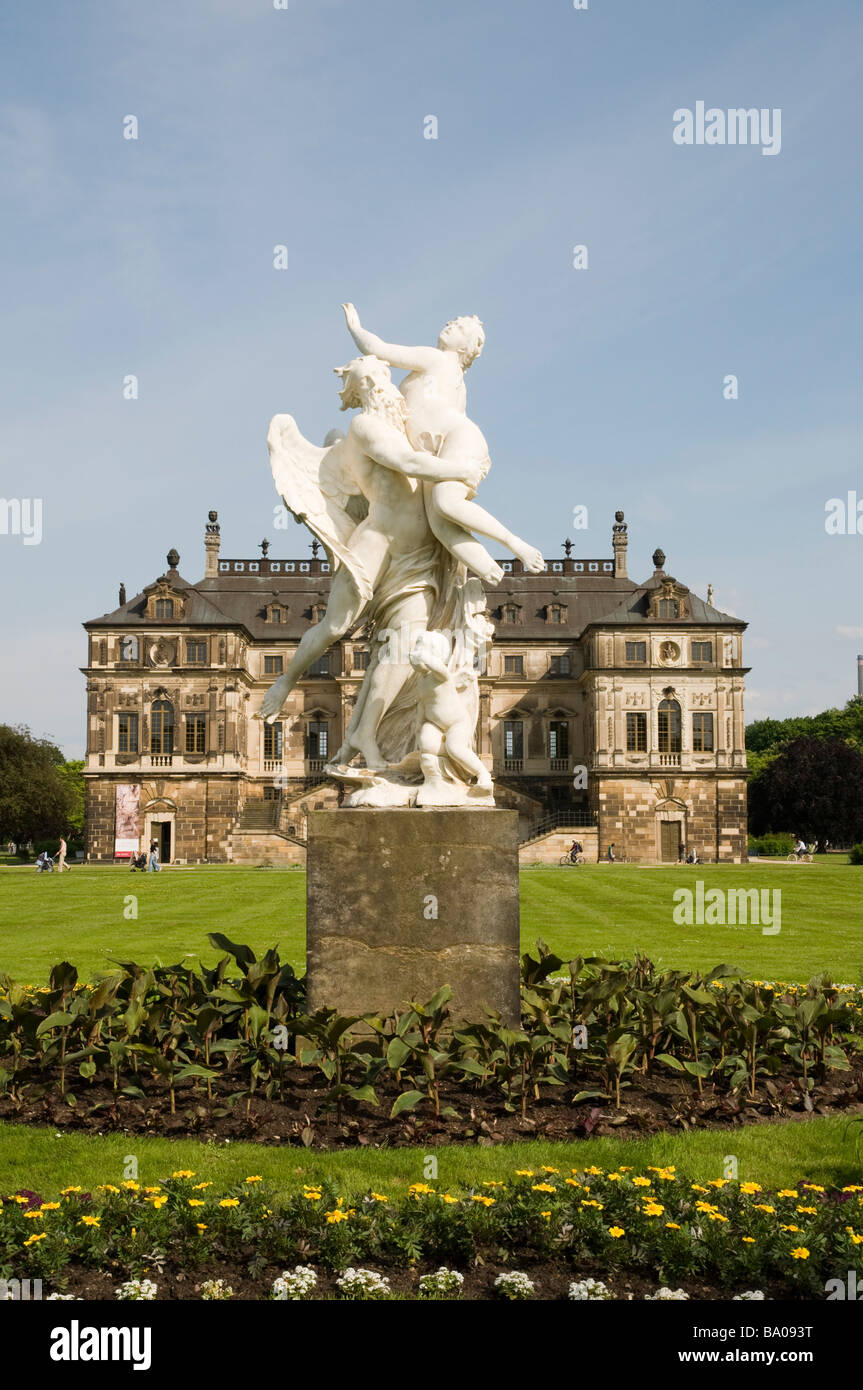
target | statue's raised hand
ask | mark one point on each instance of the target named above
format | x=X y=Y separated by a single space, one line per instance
x=352 y=318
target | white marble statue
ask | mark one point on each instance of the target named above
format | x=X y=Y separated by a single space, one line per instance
x=391 y=502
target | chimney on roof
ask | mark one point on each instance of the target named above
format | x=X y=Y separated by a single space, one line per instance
x=860 y=676
x=619 y=542
x=212 y=541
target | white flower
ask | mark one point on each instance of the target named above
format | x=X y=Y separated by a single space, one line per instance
x=592 y=1289
x=62 y=1298
x=141 y=1289
x=750 y=1296
x=513 y=1284
x=216 y=1289
x=292 y=1286
x=440 y=1284
x=363 y=1283
x=665 y=1295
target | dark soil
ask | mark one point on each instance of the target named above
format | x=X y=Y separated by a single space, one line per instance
x=648 y=1106
x=551 y=1277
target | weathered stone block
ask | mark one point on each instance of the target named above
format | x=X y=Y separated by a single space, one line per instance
x=402 y=901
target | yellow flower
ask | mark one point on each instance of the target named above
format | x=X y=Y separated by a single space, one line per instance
x=789 y=1228
x=130 y=1186
x=420 y=1189
x=199 y=1186
x=855 y=1239
x=623 y=1169
x=490 y=1183
x=200 y=1225
x=50 y=1206
x=614 y=1177
x=33 y=1239
x=571 y=1182
x=183 y=1173
x=787 y=1192
x=801 y=1253
x=107 y=1187
x=747 y=1240
x=546 y=1214
x=546 y=1169
x=812 y=1186
x=653 y=1209
x=717 y=1182
x=762 y=1206
x=542 y=1187
x=89 y=1221
x=705 y=1206
x=717 y=1216
x=312 y=1196
x=808 y=1211
x=158 y=1202
x=229 y=1202
x=641 y=1182
x=450 y=1201
x=696 y=1188
x=524 y=1173
x=591 y=1203
x=485 y=1201
x=594 y=1172
x=195 y=1202
x=378 y=1197
x=150 y=1190
x=750 y=1188
x=34 y=1216
x=334 y=1217
x=853 y=1188
x=616 y=1232
x=64 y=1191
x=256 y=1178
x=672 y=1226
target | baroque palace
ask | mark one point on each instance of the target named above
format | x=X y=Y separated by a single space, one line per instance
x=608 y=707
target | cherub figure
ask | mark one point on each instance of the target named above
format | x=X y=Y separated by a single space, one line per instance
x=436 y=399
x=448 y=717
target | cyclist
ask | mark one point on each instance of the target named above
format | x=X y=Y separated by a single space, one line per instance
x=575 y=850
x=800 y=848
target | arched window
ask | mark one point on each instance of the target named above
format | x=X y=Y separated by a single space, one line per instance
x=162 y=727
x=164 y=608
x=669 y=727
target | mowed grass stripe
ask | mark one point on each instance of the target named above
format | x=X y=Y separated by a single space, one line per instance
x=610 y=910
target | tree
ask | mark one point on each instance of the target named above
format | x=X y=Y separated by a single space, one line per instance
x=70 y=772
x=814 y=788
x=37 y=798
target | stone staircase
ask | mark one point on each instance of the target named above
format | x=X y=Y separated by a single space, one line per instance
x=256 y=838
x=548 y=848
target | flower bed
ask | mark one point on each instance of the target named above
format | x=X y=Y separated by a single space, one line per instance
x=582 y=1235
x=208 y=1052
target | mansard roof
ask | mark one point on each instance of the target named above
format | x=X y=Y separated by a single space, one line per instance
x=635 y=608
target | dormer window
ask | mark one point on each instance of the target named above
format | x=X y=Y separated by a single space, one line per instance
x=276 y=613
x=163 y=608
x=318 y=612
x=555 y=613
x=668 y=608
x=510 y=613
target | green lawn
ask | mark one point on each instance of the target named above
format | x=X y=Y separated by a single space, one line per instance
x=86 y=916
x=776 y=1155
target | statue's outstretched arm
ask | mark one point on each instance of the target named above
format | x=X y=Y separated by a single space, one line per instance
x=411 y=359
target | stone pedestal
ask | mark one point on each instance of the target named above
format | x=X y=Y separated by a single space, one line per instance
x=402 y=901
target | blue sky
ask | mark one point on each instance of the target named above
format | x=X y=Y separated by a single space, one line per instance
x=601 y=387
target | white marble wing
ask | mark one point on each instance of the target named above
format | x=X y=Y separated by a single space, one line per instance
x=317 y=487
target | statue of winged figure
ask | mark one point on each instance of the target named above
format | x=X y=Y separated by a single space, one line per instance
x=399 y=556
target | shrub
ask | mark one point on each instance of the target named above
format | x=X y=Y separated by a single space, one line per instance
x=445 y=1283
x=856 y=854
x=772 y=846
x=514 y=1285
x=290 y=1287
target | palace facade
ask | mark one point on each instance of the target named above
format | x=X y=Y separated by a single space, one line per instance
x=606 y=704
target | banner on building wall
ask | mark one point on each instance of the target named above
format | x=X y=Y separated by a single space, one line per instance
x=126 y=839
